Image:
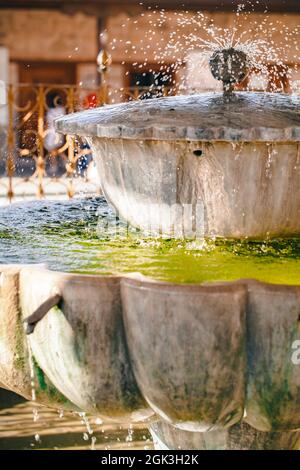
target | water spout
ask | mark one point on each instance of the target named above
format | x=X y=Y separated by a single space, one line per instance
x=229 y=65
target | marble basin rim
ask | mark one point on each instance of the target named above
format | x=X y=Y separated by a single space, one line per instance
x=233 y=166
x=113 y=349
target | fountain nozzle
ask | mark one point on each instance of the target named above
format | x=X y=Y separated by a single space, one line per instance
x=230 y=66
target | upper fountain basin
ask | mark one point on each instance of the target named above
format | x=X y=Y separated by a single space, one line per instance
x=245 y=183
x=244 y=117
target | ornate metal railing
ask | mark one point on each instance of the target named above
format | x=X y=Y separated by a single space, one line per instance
x=34 y=160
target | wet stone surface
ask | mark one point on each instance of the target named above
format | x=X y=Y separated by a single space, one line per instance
x=245 y=117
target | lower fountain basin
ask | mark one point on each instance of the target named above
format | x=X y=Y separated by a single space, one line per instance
x=201 y=358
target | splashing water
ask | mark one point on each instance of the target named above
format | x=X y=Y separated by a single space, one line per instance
x=35 y=411
x=89 y=431
x=129 y=437
x=175 y=40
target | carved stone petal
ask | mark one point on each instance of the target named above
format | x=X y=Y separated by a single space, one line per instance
x=273 y=324
x=14 y=365
x=187 y=349
x=81 y=344
x=15 y=371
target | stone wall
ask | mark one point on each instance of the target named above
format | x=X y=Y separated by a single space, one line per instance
x=41 y=35
x=48 y=35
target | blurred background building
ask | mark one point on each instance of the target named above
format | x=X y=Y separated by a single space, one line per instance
x=57 y=41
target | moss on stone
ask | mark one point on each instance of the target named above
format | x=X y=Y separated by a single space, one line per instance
x=45 y=387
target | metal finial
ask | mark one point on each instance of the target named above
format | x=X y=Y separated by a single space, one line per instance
x=230 y=66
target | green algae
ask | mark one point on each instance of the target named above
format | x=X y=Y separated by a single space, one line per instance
x=275 y=386
x=45 y=387
x=196 y=261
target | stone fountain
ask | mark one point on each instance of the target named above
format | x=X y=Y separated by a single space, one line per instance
x=207 y=366
x=232 y=159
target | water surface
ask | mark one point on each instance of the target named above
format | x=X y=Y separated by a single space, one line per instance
x=84 y=236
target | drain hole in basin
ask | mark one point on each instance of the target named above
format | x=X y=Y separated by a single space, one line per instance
x=198 y=153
